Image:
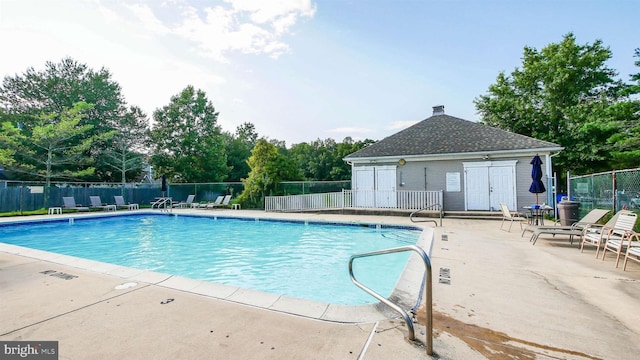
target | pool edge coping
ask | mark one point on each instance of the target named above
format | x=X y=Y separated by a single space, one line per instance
x=322 y=311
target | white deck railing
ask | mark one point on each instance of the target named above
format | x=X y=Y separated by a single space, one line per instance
x=305 y=202
x=403 y=199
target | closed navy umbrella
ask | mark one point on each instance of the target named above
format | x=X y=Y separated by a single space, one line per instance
x=164 y=185
x=537 y=186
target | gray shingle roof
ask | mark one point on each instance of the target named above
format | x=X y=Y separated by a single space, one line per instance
x=444 y=134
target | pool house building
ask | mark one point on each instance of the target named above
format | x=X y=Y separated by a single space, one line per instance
x=442 y=161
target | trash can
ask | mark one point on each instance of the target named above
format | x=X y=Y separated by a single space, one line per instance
x=568 y=211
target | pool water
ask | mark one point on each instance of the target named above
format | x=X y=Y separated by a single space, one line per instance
x=308 y=261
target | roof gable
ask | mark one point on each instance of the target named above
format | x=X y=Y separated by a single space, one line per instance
x=444 y=134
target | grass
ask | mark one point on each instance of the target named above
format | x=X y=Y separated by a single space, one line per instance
x=42 y=211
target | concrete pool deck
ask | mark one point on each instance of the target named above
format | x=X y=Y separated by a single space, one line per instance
x=495 y=297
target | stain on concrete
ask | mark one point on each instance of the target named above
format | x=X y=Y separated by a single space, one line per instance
x=493 y=345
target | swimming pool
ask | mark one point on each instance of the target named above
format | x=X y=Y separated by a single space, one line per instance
x=301 y=260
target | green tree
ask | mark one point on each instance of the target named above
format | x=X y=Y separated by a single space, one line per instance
x=239 y=146
x=51 y=147
x=247 y=133
x=563 y=94
x=9 y=142
x=302 y=154
x=186 y=141
x=340 y=169
x=126 y=149
x=322 y=159
x=626 y=142
x=58 y=87
x=269 y=167
x=634 y=89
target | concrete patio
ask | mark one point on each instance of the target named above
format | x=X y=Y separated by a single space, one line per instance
x=495 y=297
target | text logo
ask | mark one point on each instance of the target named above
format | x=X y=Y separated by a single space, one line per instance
x=32 y=350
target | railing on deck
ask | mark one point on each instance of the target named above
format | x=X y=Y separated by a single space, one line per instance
x=305 y=202
x=427 y=288
x=437 y=207
x=403 y=199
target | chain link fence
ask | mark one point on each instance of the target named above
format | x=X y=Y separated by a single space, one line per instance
x=614 y=190
x=313 y=187
x=24 y=196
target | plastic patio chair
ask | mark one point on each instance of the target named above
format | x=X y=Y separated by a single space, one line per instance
x=70 y=203
x=507 y=215
x=593 y=217
x=633 y=250
x=121 y=204
x=96 y=203
x=188 y=203
x=615 y=229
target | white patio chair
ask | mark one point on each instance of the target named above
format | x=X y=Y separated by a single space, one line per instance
x=509 y=216
x=633 y=250
x=615 y=229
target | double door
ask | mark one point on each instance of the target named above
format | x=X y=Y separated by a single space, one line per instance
x=489 y=185
x=375 y=186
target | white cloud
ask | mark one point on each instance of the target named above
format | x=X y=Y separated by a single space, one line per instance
x=264 y=12
x=148 y=19
x=398 y=125
x=109 y=15
x=282 y=24
x=245 y=26
x=349 y=130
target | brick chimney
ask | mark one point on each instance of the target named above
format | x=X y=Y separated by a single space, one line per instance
x=438 y=110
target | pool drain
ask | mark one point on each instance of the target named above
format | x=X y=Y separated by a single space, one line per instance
x=445 y=276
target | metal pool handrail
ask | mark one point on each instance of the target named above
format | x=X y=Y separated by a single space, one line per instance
x=427 y=290
x=427 y=220
x=162 y=202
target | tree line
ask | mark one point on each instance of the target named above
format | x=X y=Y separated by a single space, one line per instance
x=567 y=94
x=70 y=122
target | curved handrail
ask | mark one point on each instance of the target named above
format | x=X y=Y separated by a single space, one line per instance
x=427 y=220
x=162 y=202
x=427 y=291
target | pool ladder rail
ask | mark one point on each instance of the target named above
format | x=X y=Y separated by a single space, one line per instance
x=426 y=285
x=430 y=207
x=162 y=203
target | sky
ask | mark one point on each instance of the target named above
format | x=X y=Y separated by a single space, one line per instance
x=301 y=70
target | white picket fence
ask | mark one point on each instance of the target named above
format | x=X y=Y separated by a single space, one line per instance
x=403 y=199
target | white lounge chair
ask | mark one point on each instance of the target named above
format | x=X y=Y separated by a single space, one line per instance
x=216 y=203
x=615 y=229
x=633 y=250
x=619 y=243
x=224 y=203
x=121 y=204
x=507 y=215
x=593 y=217
x=96 y=203
x=70 y=204
x=188 y=203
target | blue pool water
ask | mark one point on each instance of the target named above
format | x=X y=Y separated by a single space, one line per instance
x=308 y=261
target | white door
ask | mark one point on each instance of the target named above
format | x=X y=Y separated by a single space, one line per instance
x=364 y=186
x=501 y=187
x=488 y=184
x=386 y=187
x=476 y=180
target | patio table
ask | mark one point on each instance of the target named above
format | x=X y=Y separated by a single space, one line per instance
x=537 y=212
